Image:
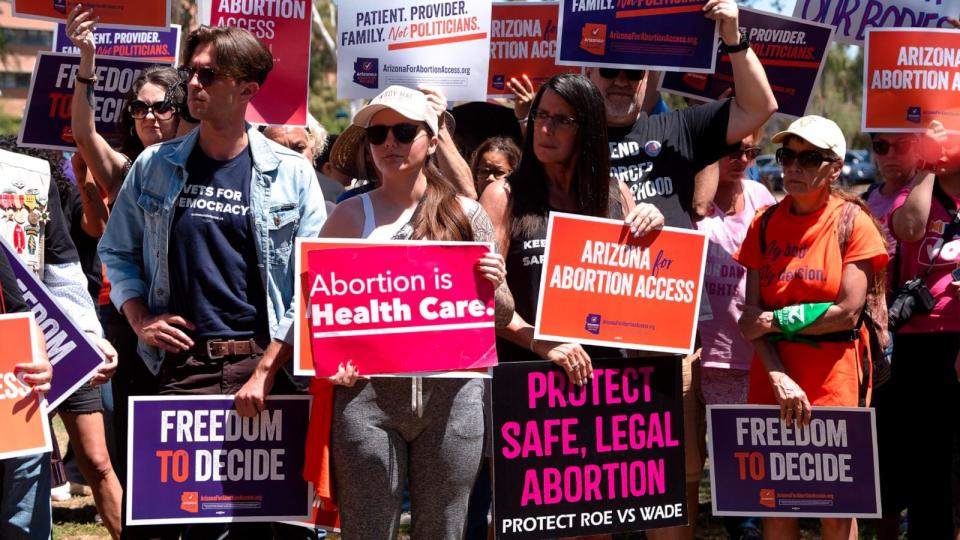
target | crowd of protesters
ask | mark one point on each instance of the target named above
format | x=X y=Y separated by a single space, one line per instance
x=195 y=304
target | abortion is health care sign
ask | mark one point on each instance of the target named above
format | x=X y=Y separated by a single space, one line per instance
x=791 y=51
x=579 y=460
x=436 y=43
x=601 y=286
x=403 y=307
x=761 y=466
x=911 y=77
x=638 y=34
x=193 y=459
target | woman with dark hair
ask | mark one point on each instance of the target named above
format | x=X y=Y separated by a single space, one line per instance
x=493 y=161
x=565 y=166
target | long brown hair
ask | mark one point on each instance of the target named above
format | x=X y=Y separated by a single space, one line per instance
x=440 y=215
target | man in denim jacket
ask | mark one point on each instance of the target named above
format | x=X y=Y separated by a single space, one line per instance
x=199 y=247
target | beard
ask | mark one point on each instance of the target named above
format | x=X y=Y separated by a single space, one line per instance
x=621 y=109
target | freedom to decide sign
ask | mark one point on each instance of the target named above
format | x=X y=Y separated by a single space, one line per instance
x=761 y=466
x=194 y=459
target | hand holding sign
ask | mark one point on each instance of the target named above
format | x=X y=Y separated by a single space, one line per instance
x=727 y=12
x=106 y=371
x=523 y=94
x=81 y=24
x=570 y=356
x=39 y=373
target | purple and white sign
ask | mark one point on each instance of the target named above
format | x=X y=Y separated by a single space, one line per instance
x=194 y=459
x=792 y=52
x=74 y=357
x=852 y=19
x=761 y=467
x=637 y=34
x=156 y=45
x=46 y=119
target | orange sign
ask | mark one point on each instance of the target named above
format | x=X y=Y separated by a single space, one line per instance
x=523 y=41
x=911 y=77
x=601 y=286
x=126 y=13
x=23 y=415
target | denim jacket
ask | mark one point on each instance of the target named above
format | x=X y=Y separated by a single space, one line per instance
x=285 y=203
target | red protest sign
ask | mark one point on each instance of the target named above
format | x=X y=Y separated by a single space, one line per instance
x=23 y=416
x=402 y=307
x=128 y=13
x=523 y=41
x=601 y=286
x=285 y=29
x=911 y=77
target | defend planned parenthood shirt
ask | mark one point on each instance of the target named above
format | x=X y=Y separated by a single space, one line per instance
x=214 y=279
x=659 y=156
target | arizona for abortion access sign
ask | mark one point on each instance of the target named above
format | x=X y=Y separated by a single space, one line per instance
x=402 y=307
x=601 y=286
x=910 y=78
x=599 y=458
x=759 y=466
x=194 y=459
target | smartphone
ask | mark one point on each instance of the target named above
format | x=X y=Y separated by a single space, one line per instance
x=955 y=274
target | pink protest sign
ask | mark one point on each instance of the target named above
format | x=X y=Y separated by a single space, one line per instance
x=407 y=308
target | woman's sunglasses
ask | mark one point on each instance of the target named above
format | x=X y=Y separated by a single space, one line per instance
x=613 y=73
x=403 y=133
x=162 y=110
x=751 y=152
x=901 y=147
x=808 y=159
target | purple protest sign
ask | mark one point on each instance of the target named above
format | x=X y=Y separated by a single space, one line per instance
x=74 y=357
x=156 y=45
x=792 y=52
x=193 y=459
x=637 y=34
x=761 y=467
x=46 y=120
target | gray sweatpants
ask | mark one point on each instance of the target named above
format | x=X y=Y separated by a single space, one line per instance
x=378 y=441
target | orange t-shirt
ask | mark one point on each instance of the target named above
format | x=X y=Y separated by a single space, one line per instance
x=803 y=264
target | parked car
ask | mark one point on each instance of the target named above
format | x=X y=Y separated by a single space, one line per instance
x=858 y=168
x=770 y=173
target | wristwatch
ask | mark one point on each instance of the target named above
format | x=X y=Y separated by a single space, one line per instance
x=743 y=45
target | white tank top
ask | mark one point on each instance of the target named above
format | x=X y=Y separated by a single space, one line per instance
x=384 y=232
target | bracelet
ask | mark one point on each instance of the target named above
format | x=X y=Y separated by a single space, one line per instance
x=87 y=80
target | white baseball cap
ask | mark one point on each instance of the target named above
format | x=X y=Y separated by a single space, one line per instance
x=406 y=101
x=818 y=131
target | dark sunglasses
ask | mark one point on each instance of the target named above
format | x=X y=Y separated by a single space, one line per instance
x=751 y=152
x=162 y=110
x=808 y=159
x=613 y=73
x=901 y=147
x=205 y=75
x=403 y=133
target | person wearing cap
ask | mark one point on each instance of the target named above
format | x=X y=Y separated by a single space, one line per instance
x=386 y=430
x=810 y=261
x=199 y=246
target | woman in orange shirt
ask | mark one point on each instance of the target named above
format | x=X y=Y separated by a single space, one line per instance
x=810 y=262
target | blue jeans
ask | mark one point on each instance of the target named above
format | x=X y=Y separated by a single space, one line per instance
x=25 y=498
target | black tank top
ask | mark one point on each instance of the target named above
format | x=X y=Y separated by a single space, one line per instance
x=524 y=267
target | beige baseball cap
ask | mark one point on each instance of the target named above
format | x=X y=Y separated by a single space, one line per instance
x=406 y=101
x=817 y=131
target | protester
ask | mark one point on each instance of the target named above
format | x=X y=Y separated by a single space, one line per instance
x=493 y=161
x=206 y=306
x=375 y=434
x=811 y=260
x=25 y=481
x=308 y=142
x=925 y=385
x=725 y=355
x=897 y=157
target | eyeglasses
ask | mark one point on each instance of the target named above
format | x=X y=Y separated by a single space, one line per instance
x=402 y=133
x=808 y=159
x=613 y=73
x=900 y=147
x=751 y=152
x=543 y=118
x=162 y=110
x=205 y=75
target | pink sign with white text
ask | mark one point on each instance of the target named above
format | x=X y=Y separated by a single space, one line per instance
x=399 y=308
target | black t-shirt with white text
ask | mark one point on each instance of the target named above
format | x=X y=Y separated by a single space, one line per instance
x=214 y=279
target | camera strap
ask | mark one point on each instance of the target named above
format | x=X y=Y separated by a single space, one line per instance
x=948 y=232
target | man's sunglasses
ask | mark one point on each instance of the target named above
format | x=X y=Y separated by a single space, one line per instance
x=162 y=110
x=900 y=147
x=402 y=133
x=751 y=152
x=613 y=73
x=808 y=159
x=205 y=75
